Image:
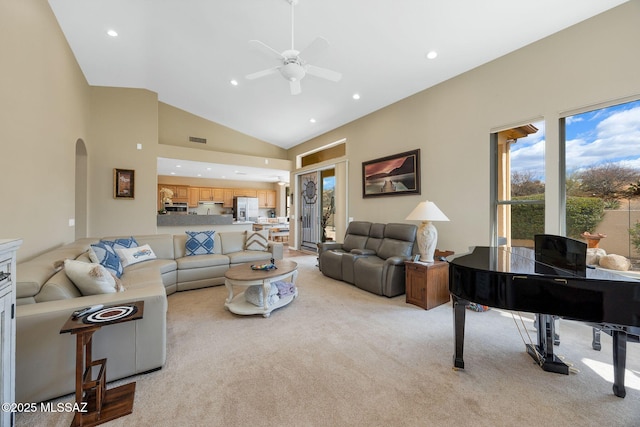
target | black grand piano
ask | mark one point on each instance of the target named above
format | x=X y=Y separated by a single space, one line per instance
x=551 y=280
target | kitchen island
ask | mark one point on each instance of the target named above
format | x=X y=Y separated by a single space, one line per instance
x=178 y=224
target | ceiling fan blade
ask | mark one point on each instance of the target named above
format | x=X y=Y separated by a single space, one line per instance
x=262 y=73
x=265 y=49
x=295 y=87
x=315 y=49
x=323 y=73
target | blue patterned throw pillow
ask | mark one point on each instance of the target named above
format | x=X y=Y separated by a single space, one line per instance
x=106 y=256
x=199 y=242
x=126 y=243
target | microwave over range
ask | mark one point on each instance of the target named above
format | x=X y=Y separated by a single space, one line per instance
x=176 y=207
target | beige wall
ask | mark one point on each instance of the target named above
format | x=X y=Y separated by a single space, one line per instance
x=593 y=62
x=44 y=105
x=176 y=126
x=121 y=119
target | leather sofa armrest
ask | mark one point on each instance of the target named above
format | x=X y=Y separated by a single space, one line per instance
x=363 y=251
x=396 y=260
x=327 y=246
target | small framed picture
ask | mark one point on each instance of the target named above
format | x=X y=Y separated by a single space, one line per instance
x=416 y=258
x=123 y=183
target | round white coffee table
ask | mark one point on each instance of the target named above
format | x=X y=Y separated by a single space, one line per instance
x=244 y=275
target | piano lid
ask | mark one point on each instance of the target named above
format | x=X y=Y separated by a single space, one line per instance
x=520 y=260
x=506 y=277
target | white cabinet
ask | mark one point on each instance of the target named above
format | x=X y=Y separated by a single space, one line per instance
x=8 y=248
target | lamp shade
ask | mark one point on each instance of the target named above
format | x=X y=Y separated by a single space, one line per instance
x=426 y=211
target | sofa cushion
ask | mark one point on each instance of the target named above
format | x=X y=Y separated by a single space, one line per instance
x=106 y=256
x=257 y=240
x=232 y=241
x=134 y=255
x=33 y=274
x=58 y=287
x=398 y=240
x=376 y=234
x=248 y=256
x=163 y=265
x=199 y=242
x=90 y=278
x=162 y=244
x=201 y=261
x=356 y=235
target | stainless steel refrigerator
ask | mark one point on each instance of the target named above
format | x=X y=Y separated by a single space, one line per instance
x=245 y=208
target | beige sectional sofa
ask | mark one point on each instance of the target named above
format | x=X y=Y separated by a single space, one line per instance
x=45 y=359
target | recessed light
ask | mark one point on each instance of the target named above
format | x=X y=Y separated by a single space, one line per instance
x=178 y=166
x=208 y=169
x=234 y=82
x=112 y=33
x=199 y=174
x=432 y=54
x=356 y=96
x=312 y=120
x=173 y=173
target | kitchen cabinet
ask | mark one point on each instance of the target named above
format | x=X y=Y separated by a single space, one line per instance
x=245 y=192
x=266 y=198
x=211 y=194
x=180 y=192
x=227 y=198
x=194 y=197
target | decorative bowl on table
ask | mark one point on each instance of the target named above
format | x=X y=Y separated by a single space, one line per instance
x=264 y=267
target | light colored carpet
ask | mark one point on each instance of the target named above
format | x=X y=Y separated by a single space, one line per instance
x=339 y=356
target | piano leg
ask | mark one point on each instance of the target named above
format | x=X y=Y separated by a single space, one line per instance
x=619 y=361
x=459 y=313
x=595 y=343
x=544 y=349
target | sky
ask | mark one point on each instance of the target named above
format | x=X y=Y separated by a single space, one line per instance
x=608 y=135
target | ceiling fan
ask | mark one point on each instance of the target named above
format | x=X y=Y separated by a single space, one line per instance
x=293 y=67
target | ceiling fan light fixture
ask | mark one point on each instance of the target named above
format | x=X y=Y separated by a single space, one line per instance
x=292 y=71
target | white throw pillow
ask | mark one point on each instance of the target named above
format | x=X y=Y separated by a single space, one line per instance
x=131 y=256
x=257 y=241
x=90 y=278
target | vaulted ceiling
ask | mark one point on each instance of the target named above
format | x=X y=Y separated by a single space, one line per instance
x=189 y=51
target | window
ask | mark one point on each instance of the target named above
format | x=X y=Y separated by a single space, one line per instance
x=518 y=190
x=602 y=179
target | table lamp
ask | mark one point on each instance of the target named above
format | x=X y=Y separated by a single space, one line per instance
x=427 y=236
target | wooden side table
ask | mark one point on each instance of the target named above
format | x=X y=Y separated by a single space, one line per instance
x=100 y=405
x=427 y=284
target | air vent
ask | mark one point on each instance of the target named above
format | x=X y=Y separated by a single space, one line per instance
x=198 y=140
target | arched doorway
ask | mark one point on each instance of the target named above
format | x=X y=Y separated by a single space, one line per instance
x=81 y=177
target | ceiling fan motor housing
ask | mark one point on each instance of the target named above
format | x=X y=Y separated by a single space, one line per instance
x=292 y=70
